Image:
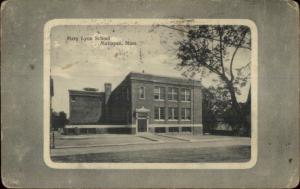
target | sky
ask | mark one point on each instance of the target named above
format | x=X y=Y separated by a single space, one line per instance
x=89 y=56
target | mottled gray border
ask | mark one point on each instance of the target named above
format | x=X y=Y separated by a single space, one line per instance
x=22 y=93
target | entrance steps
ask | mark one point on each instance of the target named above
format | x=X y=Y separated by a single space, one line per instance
x=161 y=137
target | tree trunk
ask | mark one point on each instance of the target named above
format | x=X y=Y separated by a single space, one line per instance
x=239 y=116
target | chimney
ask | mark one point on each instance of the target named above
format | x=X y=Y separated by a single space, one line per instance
x=107 y=90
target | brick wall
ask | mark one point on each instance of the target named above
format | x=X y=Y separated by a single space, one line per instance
x=86 y=109
x=149 y=102
x=119 y=104
x=124 y=100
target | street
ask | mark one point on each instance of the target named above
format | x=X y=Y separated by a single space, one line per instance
x=150 y=148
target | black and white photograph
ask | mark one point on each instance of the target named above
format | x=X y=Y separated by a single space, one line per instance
x=175 y=93
x=150 y=94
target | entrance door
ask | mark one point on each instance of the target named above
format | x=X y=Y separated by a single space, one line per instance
x=142 y=125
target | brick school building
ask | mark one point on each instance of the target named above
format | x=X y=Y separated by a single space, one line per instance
x=140 y=103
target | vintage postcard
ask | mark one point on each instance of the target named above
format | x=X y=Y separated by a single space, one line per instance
x=150 y=93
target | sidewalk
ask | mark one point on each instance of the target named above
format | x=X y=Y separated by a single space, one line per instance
x=137 y=143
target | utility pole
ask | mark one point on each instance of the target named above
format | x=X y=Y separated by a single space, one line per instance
x=51 y=112
x=53 y=139
x=193 y=106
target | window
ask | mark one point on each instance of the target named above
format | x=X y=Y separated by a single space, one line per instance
x=172 y=94
x=142 y=115
x=142 y=92
x=127 y=93
x=73 y=99
x=156 y=113
x=159 y=113
x=186 y=129
x=173 y=129
x=160 y=130
x=186 y=114
x=123 y=92
x=159 y=93
x=172 y=113
x=185 y=95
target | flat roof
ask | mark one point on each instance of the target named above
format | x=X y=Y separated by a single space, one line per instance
x=163 y=79
x=85 y=93
x=145 y=77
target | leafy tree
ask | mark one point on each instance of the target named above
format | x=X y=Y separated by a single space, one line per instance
x=58 y=120
x=208 y=114
x=212 y=49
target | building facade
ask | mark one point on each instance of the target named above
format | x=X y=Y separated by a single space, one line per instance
x=146 y=103
x=86 y=107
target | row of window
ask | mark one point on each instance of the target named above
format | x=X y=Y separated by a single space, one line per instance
x=160 y=114
x=172 y=93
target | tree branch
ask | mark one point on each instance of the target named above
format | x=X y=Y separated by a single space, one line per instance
x=209 y=67
x=212 y=69
x=210 y=38
x=233 y=56
x=231 y=63
x=221 y=51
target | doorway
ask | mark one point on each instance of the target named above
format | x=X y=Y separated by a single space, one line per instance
x=142 y=125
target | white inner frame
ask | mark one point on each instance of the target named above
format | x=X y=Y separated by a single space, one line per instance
x=84 y=22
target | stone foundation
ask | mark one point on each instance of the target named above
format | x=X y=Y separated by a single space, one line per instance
x=81 y=131
x=183 y=129
x=198 y=130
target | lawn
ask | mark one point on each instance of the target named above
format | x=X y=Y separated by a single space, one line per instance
x=191 y=155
